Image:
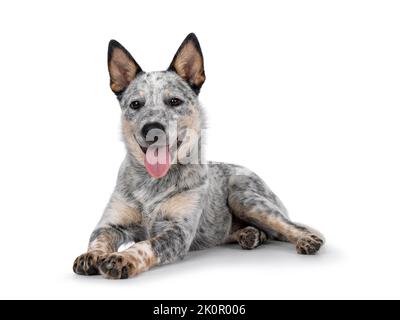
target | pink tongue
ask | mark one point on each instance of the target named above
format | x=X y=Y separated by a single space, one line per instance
x=157 y=161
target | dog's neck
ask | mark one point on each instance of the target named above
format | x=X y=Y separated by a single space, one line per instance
x=180 y=176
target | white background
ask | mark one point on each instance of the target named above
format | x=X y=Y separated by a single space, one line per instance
x=305 y=93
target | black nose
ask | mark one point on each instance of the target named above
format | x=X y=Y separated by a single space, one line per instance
x=150 y=126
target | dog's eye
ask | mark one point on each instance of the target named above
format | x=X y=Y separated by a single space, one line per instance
x=174 y=102
x=136 y=104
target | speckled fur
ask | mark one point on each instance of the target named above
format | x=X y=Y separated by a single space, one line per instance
x=193 y=207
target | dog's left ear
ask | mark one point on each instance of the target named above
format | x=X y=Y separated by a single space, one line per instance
x=188 y=63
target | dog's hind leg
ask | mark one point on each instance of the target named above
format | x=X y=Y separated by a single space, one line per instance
x=251 y=201
x=248 y=238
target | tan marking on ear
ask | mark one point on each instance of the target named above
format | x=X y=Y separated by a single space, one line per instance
x=122 y=70
x=130 y=141
x=189 y=64
x=180 y=205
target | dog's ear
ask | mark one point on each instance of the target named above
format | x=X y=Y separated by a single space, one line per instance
x=188 y=63
x=121 y=67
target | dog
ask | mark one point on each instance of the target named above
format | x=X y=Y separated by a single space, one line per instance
x=168 y=200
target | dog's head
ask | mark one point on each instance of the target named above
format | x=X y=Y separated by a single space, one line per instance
x=161 y=114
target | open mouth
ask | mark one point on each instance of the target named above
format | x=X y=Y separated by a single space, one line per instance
x=144 y=149
x=157 y=158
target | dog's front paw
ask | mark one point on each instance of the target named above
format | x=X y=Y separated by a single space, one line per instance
x=117 y=266
x=87 y=263
x=309 y=244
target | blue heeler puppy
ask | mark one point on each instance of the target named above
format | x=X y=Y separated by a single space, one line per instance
x=167 y=199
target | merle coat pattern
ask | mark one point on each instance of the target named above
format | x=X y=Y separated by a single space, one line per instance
x=194 y=205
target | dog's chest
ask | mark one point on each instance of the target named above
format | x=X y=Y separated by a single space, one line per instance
x=149 y=203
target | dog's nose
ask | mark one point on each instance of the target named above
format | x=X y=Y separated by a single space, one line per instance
x=150 y=126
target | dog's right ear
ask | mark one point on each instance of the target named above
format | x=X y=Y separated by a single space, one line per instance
x=121 y=67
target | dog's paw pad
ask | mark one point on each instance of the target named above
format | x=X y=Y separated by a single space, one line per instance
x=116 y=266
x=87 y=264
x=250 y=238
x=310 y=244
